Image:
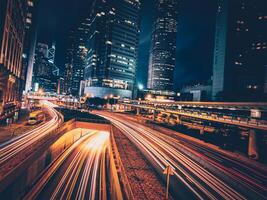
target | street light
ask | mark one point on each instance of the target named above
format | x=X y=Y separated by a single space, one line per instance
x=148 y=97
x=40 y=92
x=168 y=171
x=140 y=86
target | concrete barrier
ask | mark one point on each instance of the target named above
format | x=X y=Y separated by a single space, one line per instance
x=95 y=126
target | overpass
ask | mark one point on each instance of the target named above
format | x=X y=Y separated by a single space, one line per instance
x=209 y=111
x=250 y=116
x=55 y=98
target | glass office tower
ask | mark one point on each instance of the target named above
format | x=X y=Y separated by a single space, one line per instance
x=163 y=46
x=112 y=48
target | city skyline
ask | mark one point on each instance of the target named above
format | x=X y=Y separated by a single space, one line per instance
x=191 y=38
x=112 y=49
x=133 y=99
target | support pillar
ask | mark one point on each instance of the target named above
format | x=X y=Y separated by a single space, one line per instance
x=179 y=119
x=154 y=115
x=168 y=119
x=252 y=145
x=138 y=111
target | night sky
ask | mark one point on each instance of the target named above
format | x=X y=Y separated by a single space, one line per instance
x=195 y=37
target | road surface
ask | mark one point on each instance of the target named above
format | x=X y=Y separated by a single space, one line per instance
x=206 y=173
x=10 y=150
x=79 y=173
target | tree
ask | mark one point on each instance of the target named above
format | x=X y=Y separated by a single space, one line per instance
x=96 y=101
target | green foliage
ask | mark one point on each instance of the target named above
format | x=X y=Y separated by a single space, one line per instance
x=96 y=101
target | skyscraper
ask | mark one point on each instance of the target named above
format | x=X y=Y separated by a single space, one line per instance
x=76 y=57
x=112 y=48
x=240 y=52
x=68 y=71
x=12 y=32
x=163 y=46
x=43 y=77
x=29 y=43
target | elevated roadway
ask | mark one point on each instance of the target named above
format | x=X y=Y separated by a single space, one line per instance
x=171 y=108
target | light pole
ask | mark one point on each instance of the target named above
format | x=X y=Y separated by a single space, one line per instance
x=168 y=171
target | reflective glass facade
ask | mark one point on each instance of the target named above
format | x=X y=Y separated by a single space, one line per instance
x=163 y=46
x=113 y=45
x=76 y=58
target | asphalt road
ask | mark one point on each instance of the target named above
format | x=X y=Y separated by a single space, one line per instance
x=14 y=149
x=204 y=172
x=79 y=173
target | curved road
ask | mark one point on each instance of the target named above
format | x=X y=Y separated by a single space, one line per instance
x=79 y=173
x=22 y=144
x=214 y=181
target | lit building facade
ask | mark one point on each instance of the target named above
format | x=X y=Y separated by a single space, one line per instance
x=239 y=66
x=43 y=77
x=12 y=32
x=112 y=48
x=29 y=43
x=69 y=63
x=163 y=46
x=76 y=58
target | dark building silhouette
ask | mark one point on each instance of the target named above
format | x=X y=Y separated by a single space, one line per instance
x=240 y=54
x=112 y=48
x=163 y=46
x=12 y=32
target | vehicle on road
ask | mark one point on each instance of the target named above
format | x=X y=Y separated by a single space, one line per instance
x=36 y=117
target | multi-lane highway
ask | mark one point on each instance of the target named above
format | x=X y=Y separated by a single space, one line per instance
x=205 y=173
x=79 y=173
x=23 y=143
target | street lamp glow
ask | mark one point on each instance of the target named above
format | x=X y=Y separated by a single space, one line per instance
x=140 y=86
x=148 y=97
x=40 y=91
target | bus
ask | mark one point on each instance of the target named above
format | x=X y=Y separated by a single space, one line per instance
x=36 y=117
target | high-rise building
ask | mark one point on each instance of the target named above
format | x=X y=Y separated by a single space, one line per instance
x=163 y=46
x=43 y=77
x=76 y=58
x=12 y=32
x=240 y=53
x=69 y=63
x=112 y=48
x=29 y=43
